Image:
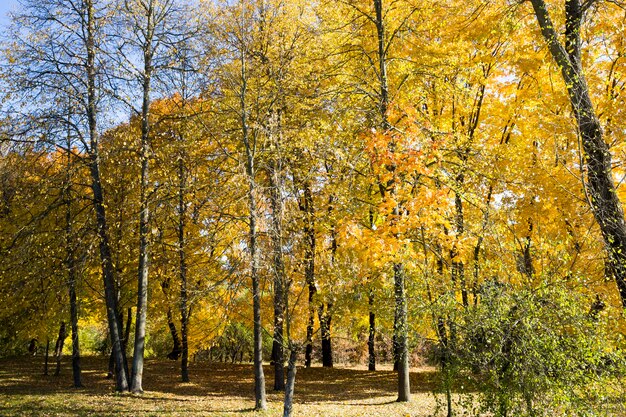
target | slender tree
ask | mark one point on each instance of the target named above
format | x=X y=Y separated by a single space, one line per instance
x=152 y=29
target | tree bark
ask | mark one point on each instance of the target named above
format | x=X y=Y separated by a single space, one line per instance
x=400 y=314
x=177 y=347
x=185 y=310
x=70 y=263
x=129 y=322
x=108 y=272
x=606 y=207
x=458 y=268
x=401 y=331
x=324 y=311
x=371 y=341
x=76 y=370
x=309 y=268
x=125 y=330
x=325 y=318
x=444 y=360
x=111 y=368
x=291 y=381
x=250 y=148
x=58 y=348
x=45 y=367
x=144 y=214
x=276 y=204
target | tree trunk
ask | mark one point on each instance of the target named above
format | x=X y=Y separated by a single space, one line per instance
x=185 y=310
x=184 y=362
x=309 y=327
x=401 y=331
x=444 y=360
x=70 y=263
x=278 y=351
x=76 y=370
x=147 y=49
x=395 y=346
x=401 y=358
x=58 y=348
x=291 y=381
x=45 y=367
x=108 y=273
x=371 y=341
x=259 y=377
x=324 y=311
x=124 y=341
x=129 y=322
x=606 y=207
x=458 y=268
x=325 y=318
x=176 y=348
x=309 y=268
x=479 y=241
x=111 y=368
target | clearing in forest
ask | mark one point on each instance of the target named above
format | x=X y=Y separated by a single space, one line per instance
x=216 y=389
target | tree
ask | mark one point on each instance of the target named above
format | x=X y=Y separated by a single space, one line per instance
x=153 y=29
x=606 y=206
x=60 y=58
x=238 y=33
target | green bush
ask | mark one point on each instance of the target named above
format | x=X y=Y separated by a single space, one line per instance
x=534 y=352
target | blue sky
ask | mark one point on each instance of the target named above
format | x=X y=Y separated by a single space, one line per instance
x=5 y=7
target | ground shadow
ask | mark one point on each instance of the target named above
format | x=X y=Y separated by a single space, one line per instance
x=24 y=376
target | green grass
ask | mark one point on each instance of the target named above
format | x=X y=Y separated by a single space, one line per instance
x=215 y=390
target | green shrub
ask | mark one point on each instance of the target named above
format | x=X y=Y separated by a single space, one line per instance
x=535 y=352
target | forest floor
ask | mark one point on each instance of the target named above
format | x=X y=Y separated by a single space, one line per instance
x=217 y=390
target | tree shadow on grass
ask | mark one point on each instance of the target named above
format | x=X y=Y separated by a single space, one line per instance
x=23 y=376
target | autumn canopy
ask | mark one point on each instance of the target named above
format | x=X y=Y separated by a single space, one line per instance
x=347 y=182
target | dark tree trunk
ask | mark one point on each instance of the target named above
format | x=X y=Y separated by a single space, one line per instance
x=184 y=362
x=401 y=331
x=185 y=310
x=324 y=311
x=129 y=323
x=291 y=381
x=458 y=268
x=58 y=348
x=124 y=342
x=76 y=370
x=70 y=262
x=606 y=207
x=108 y=272
x=395 y=346
x=177 y=347
x=309 y=327
x=276 y=232
x=309 y=268
x=111 y=368
x=45 y=366
x=371 y=341
x=526 y=262
x=444 y=360
x=325 y=318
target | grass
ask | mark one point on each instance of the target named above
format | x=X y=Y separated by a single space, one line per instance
x=216 y=390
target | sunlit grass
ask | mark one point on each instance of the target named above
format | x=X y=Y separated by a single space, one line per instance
x=215 y=390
